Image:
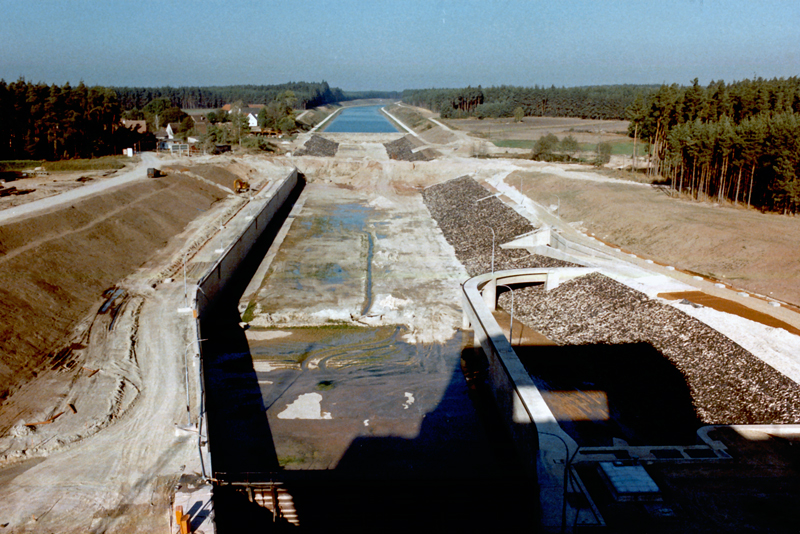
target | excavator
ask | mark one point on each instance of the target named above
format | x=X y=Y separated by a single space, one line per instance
x=241 y=186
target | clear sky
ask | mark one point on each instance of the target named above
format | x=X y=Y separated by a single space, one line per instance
x=396 y=45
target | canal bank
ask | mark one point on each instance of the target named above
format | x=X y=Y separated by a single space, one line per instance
x=211 y=276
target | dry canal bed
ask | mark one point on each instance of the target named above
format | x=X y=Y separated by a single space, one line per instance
x=347 y=382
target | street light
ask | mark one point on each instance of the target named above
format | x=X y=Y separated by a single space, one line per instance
x=511 y=326
x=186 y=378
x=493 y=239
x=185 y=293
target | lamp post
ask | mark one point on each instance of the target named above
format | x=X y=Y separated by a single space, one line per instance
x=511 y=326
x=493 y=240
x=186 y=378
x=185 y=293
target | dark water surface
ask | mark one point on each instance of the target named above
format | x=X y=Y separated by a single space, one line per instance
x=365 y=119
x=404 y=444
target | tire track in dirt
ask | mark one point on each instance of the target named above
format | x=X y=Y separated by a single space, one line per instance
x=94 y=223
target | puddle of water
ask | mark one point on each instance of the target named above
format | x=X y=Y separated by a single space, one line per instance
x=338 y=227
x=358 y=375
x=340 y=348
x=368 y=285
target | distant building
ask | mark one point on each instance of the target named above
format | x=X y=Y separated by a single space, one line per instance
x=198 y=118
x=172 y=129
x=199 y=130
x=251 y=112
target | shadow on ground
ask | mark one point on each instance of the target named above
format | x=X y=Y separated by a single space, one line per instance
x=459 y=474
x=601 y=392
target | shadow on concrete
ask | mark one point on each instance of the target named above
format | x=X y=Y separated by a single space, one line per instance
x=601 y=392
x=239 y=433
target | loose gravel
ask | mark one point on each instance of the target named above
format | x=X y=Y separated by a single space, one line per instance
x=319 y=146
x=727 y=384
x=467 y=214
x=402 y=149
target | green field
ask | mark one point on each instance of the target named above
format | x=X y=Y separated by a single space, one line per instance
x=20 y=164
x=92 y=164
x=618 y=148
x=514 y=143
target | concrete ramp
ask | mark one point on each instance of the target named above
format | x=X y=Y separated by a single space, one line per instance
x=373 y=151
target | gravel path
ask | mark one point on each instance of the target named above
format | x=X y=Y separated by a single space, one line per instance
x=728 y=385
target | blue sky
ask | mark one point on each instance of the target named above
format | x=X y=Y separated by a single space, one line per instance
x=395 y=45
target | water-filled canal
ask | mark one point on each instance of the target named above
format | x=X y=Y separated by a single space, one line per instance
x=363 y=119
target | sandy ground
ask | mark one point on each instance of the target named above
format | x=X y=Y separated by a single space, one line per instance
x=56 y=266
x=583 y=130
x=120 y=458
x=350 y=253
x=123 y=478
x=58 y=188
x=111 y=453
x=750 y=250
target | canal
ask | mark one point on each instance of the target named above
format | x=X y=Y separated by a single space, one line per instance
x=362 y=119
x=366 y=429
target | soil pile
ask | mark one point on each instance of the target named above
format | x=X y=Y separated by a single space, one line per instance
x=55 y=266
x=750 y=250
x=318 y=146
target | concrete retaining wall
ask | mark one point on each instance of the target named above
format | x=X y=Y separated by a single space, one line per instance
x=255 y=218
x=541 y=444
x=215 y=279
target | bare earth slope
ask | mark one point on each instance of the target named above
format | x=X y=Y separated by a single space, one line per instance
x=56 y=265
x=752 y=251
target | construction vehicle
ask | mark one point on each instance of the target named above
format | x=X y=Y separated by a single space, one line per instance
x=241 y=186
x=154 y=173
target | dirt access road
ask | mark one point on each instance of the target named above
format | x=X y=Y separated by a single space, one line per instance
x=112 y=454
x=34 y=203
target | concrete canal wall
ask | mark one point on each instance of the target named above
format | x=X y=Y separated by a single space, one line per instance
x=255 y=217
x=226 y=251
x=541 y=445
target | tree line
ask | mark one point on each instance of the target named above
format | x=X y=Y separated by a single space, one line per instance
x=308 y=95
x=39 y=121
x=738 y=141
x=606 y=102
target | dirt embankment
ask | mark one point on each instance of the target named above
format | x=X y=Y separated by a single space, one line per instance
x=726 y=384
x=750 y=250
x=56 y=265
